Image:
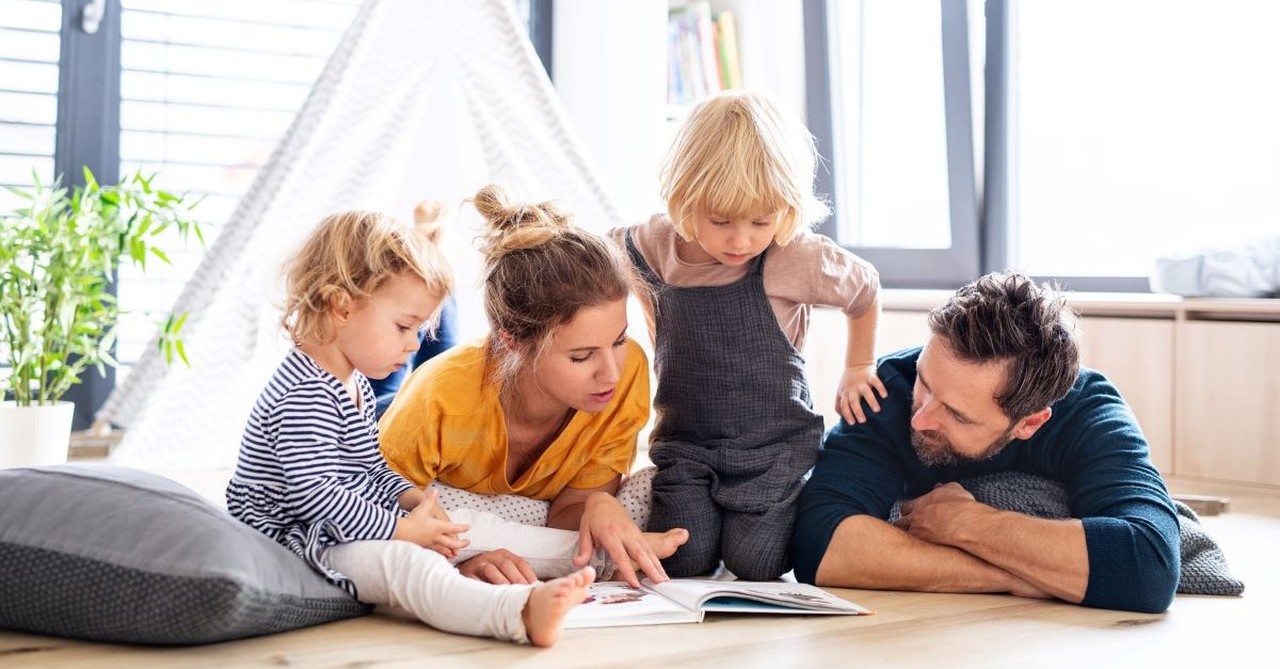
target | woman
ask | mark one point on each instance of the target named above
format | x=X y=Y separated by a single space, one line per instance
x=549 y=405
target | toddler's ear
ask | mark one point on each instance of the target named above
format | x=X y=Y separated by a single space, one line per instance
x=430 y=218
x=340 y=305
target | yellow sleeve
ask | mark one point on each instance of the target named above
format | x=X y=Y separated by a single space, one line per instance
x=409 y=430
x=446 y=425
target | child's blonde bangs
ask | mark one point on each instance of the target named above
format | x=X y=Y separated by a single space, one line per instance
x=738 y=157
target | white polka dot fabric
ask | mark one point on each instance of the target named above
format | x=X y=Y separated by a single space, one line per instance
x=634 y=496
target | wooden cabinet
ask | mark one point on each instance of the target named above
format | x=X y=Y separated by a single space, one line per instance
x=1136 y=354
x=1228 y=401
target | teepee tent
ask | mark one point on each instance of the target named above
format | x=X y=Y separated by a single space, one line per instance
x=422 y=98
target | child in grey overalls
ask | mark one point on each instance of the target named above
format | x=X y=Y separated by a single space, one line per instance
x=736 y=431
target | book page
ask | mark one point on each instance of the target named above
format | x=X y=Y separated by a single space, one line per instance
x=754 y=596
x=614 y=603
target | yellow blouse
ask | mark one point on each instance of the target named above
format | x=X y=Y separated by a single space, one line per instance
x=446 y=424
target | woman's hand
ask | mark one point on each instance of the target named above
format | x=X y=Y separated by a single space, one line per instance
x=499 y=567
x=605 y=524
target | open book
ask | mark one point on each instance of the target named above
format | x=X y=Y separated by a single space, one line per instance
x=687 y=600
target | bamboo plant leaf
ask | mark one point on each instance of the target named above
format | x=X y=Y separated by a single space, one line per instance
x=59 y=250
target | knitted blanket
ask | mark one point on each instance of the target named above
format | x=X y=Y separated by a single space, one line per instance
x=1204 y=567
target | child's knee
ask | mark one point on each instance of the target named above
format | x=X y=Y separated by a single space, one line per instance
x=693 y=560
x=758 y=567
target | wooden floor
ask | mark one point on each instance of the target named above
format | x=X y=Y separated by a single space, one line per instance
x=909 y=629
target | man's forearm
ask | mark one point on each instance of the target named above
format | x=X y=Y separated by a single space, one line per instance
x=1049 y=554
x=867 y=552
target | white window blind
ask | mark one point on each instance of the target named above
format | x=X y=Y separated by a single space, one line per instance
x=207 y=89
x=29 y=49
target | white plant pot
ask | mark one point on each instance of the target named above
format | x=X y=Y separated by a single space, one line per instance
x=35 y=435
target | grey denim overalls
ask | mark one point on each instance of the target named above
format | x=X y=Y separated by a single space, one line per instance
x=736 y=431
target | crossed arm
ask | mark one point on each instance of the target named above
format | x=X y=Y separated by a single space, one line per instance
x=947 y=542
x=1119 y=551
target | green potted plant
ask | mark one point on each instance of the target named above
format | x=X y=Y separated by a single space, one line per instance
x=59 y=250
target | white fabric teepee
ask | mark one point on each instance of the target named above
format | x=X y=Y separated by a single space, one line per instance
x=422 y=98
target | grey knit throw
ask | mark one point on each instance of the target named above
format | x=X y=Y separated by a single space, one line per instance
x=1204 y=567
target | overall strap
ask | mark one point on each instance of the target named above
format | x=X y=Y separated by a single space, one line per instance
x=637 y=259
x=757 y=264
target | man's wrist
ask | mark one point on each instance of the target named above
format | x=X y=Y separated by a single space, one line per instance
x=972 y=527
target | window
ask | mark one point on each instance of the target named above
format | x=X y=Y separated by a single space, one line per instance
x=890 y=102
x=891 y=148
x=207 y=88
x=1160 y=137
x=29 y=48
x=1108 y=132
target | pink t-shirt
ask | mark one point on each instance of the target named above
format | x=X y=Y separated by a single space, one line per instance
x=811 y=270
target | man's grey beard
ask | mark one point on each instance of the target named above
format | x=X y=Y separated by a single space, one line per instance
x=940 y=453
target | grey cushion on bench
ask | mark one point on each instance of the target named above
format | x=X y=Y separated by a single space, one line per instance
x=107 y=553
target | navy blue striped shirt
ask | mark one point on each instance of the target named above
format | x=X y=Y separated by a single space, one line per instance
x=310 y=474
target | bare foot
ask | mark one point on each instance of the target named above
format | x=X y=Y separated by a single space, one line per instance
x=664 y=544
x=549 y=602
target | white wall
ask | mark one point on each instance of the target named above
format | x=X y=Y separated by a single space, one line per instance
x=610 y=68
x=608 y=62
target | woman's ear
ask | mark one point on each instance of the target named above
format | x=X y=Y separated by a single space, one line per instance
x=508 y=342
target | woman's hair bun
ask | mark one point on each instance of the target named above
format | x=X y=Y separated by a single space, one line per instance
x=514 y=225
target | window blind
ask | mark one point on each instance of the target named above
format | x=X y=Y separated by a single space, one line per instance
x=29 y=49
x=207 y=89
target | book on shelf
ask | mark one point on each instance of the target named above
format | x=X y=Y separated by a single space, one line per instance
x=702 y=52
x=727 y=45
x=688 y=600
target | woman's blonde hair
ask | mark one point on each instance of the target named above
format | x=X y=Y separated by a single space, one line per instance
x=540 y=269
x=349 y=256
x=739 y=154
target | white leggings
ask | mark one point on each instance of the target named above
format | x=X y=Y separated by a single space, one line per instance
x=411 y=581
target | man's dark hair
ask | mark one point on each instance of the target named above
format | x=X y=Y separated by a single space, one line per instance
x=1005 y=316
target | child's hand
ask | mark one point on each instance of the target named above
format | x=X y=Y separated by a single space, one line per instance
x=411 y=498
x=859 y=383
x=428 y=526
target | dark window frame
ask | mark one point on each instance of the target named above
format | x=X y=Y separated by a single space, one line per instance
x=87 y=134
x=980 y=222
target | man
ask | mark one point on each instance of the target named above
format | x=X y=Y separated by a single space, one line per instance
x=997 y=388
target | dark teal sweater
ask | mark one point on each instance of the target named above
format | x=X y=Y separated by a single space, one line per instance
x=1092 y=445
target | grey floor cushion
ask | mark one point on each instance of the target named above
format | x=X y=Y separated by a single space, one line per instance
x=1204 y=568
x=108 y=553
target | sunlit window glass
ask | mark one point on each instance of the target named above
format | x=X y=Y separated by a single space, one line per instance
x=889 y=123
x=1141 y=128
